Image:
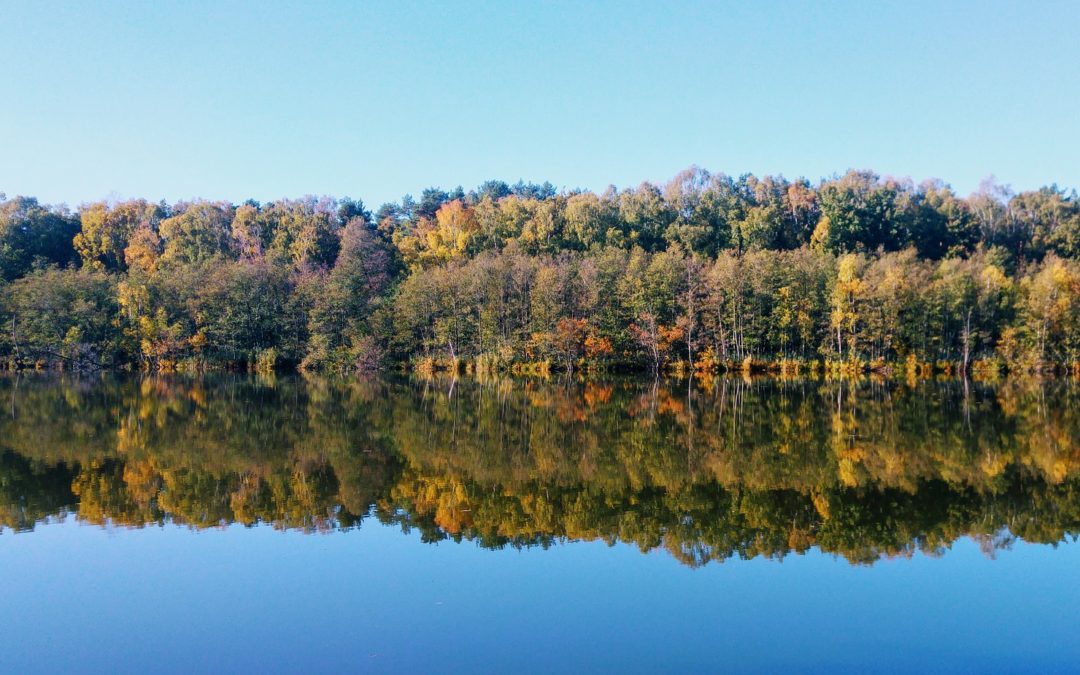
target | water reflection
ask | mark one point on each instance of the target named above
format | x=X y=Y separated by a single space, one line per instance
x=732 y=468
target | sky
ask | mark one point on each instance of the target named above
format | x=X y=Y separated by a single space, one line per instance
x=231 y=100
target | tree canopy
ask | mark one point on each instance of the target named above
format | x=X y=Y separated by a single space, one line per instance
x=705 y=272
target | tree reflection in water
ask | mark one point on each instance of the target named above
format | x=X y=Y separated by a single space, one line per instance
x=729 y=467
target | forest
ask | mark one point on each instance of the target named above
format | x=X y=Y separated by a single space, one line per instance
x=703 y=274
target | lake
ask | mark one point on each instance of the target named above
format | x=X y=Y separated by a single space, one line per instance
x=292 y=524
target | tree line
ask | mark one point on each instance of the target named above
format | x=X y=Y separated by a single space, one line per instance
x=704 y=273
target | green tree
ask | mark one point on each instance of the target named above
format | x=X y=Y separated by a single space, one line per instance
x=63 y=317
x=198 y=232
x=33 y=235
x=345 y=322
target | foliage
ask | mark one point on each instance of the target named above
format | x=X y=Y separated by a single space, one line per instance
x=62 y=316
x=706 y=272
x=32 y=235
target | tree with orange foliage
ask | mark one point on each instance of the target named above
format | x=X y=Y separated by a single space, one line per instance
x=655 y=338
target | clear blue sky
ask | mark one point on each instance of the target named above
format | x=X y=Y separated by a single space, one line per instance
x=264 y=100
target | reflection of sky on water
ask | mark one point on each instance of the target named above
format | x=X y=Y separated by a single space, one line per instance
x=87 y=599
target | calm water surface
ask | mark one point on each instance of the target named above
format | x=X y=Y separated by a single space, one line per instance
x=238 y=524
